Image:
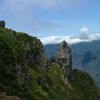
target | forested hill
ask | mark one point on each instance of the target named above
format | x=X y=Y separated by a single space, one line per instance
x=26 y=74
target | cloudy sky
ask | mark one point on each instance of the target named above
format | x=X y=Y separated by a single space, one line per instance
x=44 y=18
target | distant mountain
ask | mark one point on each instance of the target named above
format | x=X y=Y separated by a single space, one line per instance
x=50 y=49
x=86 y=57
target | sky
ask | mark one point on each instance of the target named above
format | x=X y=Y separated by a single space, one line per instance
x=52 y=18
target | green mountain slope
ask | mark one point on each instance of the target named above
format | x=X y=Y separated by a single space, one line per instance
x=85 y=55
x=25 y=72
x=92 y=66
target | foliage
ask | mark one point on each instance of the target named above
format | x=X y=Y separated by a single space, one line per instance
x=22 y=75
x=84 y=85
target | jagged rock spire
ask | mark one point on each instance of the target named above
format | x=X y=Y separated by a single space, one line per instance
x=2 y=24
x=63 y=58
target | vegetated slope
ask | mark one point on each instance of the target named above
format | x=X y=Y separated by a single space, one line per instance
x=24 y=72
x=88 y=52
x=85 y=55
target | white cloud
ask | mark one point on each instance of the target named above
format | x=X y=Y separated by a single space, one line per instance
x=25 y=13
x=58 y=39
x=84 y=30
x=84 y=33
x=69 y=39
x=83 y=36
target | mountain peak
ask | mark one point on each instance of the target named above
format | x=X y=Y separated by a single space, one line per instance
x=63 y=58
x=64 y=44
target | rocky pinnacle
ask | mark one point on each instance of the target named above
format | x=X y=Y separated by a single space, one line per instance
x=63 y=58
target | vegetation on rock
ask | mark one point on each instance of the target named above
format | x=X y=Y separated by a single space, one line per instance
x=24 y=72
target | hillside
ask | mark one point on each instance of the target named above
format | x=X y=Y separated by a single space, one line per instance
x=85 y=55
x=92 y=66
x=26 y=73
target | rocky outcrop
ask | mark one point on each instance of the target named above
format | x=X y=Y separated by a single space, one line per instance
x=9 y=98
x=63 y=58
x=2 y=24
x=3 y=96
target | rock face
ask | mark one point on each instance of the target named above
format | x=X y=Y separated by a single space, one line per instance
x=9 y=98
x=3 y=96
x=63 y=58
x=2 y=24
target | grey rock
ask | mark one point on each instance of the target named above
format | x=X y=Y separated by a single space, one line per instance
x=2 y=24
x=3 y=96
x=63 y=58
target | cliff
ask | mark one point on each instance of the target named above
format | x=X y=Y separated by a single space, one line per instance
x=63 y=58
x=25 y=72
